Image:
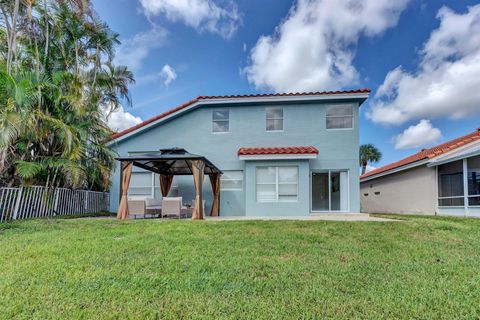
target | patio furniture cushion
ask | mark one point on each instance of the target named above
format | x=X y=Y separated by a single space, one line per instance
x=152 y=203
x=136 y=207
x=171 y=206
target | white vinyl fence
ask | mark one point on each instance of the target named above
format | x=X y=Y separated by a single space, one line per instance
x=36 y=201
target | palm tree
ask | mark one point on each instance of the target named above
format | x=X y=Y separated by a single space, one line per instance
x=56 y=74
x=368 y=153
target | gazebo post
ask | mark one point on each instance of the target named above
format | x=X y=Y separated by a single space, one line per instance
x=215 y=182
x=126 y=174
x=198 y=167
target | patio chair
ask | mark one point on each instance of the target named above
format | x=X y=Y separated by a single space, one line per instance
x=136 y=208
x=153 y=207
x=172 y=206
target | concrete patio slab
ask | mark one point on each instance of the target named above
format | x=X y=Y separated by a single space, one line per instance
x=352 y=217
x=316 y=217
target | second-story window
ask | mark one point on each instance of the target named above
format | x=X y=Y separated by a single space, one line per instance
x=274 y=118
x=220 y=121
x=340 y=117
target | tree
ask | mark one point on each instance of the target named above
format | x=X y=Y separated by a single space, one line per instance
x=56 y=77
x=368 y=153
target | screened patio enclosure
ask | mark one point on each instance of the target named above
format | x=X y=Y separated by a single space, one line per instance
x=169 y=163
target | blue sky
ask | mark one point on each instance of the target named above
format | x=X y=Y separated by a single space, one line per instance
x=179 y=49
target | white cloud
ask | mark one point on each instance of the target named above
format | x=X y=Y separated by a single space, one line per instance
x=133 y=51
x=447 y=81
x=369 y=168
x=313 y=48
x=168 y=74
x=420 y=135
x=203 y=15
x=120 y=119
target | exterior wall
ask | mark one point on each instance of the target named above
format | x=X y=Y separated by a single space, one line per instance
x=304 y=124
x=299 y=208
x=409 y=191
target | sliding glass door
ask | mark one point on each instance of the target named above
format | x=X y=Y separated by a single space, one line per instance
x=329 y=191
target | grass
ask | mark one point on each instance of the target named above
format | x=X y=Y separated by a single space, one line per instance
x=423 y=267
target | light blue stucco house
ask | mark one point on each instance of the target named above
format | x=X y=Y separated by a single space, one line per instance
x=280 y=154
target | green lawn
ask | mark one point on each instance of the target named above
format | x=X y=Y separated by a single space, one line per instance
x=107 y=269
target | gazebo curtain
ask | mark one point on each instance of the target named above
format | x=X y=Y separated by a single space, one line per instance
x=215 y=182
x=122 y=212
x=198 y=167
x=165 y=184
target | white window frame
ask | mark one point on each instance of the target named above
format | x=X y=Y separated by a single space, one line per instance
x=224 y=120
x=335 y=106
x=224 y=179
x=465 y=191
x=274 y=118
x=329 y=171
x=152 y=186
x=466 y=197
x=277 y=183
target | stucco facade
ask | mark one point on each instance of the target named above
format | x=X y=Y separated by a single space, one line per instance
x=409 y=191
x=441 y=180
x=304 y=124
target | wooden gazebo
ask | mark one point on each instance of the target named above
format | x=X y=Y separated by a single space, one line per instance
x=168 y=163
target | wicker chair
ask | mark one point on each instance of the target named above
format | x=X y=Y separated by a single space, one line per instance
x=136 y=208
x=153 y=207
x=172 y=206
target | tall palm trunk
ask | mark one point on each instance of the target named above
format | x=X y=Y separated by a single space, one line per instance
x=3 y=158
x=95 y=68
x=13 y=37
x=47 y=35
x=364 y=167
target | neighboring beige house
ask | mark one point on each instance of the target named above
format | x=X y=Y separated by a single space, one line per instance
x=442 y=180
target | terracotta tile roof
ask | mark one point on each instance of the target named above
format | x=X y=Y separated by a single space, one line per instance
x=199 y=98
x=359 y=91
x=158 y=117
x=427 y=153
x=277 y=150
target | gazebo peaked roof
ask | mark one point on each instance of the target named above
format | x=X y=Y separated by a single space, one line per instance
x=174 y=161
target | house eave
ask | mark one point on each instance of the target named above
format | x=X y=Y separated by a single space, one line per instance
x=395 y=170
x=359 y=97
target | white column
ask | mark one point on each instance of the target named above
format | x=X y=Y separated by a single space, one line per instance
x=465 y=186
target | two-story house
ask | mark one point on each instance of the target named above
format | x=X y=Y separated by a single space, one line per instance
x=280 y=154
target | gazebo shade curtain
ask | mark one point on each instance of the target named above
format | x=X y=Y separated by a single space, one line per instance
x=198 y=167
x=122 y=212
x=215 y=182
x=165 y=184
x=167 y=163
